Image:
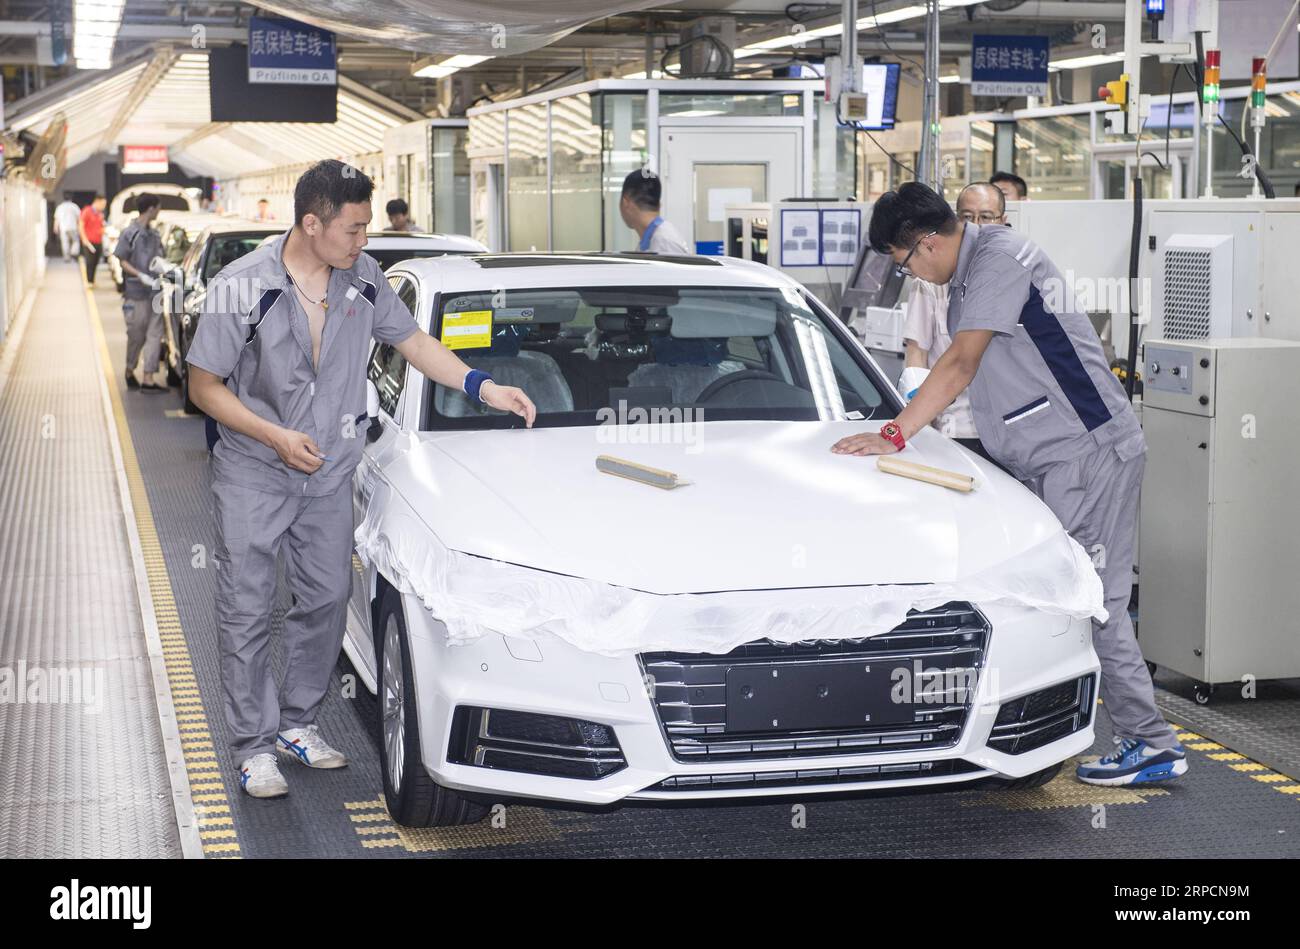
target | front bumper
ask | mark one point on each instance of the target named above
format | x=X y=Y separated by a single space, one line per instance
x=1027 y=651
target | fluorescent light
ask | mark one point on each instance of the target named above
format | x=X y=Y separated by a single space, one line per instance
x=948 y=79
x=890 y=16
x=97 y=10
x=96 y=29
x=447 y=66
x=95 y=24
x=89 y=46
x=1083 y=62
x=835 y=29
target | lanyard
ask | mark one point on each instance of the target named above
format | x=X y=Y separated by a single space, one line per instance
x=649 y=233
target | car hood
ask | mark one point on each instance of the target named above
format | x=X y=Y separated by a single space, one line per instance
x=768 y=507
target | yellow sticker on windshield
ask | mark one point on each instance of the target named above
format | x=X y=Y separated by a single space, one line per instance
x=469 y=330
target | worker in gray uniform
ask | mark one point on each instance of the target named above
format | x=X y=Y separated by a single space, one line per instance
x=279 y=362
x=138 y=246
x=1048 y=408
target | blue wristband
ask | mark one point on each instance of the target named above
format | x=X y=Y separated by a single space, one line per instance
x=474 y=380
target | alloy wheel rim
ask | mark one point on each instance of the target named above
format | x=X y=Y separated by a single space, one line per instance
x=394 y=704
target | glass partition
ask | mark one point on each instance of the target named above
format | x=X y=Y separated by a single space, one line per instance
x=450 y=165
x=623 y=145
x=704 y=104
x=834 y=153
x=1054 y=156
x=575 y=175
x=953 y=164
x=981 y=151
x=487 y=134
x=526 y=170
x=1279 y=147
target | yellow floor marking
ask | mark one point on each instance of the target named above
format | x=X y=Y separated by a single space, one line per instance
x=1064 y=790
x=523 y=825
x=192 y=723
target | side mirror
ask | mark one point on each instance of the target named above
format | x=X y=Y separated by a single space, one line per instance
x=376 y=427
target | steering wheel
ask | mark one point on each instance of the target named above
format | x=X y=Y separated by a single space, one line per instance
x=732 y=378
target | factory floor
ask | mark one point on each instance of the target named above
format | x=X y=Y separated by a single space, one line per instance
x=103 y=561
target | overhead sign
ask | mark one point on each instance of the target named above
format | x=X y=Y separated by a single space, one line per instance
x=1009 y=65
x=144 y=159
x=286 y=52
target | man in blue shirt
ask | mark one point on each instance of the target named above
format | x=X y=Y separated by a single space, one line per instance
x=639 y=208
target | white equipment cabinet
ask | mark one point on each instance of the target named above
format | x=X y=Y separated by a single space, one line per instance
x=1220 y=518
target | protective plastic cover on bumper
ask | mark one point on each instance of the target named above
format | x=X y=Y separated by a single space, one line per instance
x=474 y=596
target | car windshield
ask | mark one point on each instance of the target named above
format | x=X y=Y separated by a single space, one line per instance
x=386 y=257
x=649 y=354
x=229 y=248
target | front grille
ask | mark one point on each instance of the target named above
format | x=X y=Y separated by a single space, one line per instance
x=690 y=693
x=1042 y=717
x=776 y=780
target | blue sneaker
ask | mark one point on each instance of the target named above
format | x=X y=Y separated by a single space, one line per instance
x=1134 y=762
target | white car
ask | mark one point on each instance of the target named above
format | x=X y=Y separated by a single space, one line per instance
x=791 y=621
x=175 y=202
x=389 y=247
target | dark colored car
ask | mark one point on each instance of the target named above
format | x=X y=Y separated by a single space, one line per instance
x=219 y=244
x=224 y=243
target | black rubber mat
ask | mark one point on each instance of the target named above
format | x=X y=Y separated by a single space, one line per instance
x=1262 y=723
x=1218 y=808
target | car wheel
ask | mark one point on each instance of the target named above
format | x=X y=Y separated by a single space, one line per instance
x=1035 y=780
x=414 y=799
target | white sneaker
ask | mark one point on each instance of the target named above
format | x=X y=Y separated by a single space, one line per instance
x=260 y=776
x=307 y=745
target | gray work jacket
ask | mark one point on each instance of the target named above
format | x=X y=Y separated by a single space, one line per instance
x=253 y=333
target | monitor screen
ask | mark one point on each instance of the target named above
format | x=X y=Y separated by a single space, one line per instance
x=880 y=83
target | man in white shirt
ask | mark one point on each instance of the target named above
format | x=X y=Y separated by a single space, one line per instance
x=926 y=327
x=66 y=217
x=639 y=208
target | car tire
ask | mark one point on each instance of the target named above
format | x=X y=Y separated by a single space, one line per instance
x=414 y=799
x=1035 y=780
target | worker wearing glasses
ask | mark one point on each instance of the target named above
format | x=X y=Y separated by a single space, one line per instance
x=925 y=330
x=1049 y=410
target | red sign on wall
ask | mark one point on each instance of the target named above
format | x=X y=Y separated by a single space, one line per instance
x=144 y=159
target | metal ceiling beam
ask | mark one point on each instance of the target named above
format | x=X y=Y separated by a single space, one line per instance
x=198 y=135
x=163 y=58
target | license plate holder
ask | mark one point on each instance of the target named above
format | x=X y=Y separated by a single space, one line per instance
x=814 y=695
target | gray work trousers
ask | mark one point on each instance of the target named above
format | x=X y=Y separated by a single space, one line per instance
x=316 y=537
x=144 y=329
x=1096 y=498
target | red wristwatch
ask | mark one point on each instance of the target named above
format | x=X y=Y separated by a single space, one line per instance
x=892 y=433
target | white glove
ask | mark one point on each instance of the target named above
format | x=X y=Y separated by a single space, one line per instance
x=160 y=265
x=911 y=380
x=148 y=281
